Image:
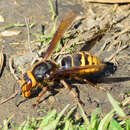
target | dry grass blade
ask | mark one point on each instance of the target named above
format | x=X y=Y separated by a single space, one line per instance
x=1 y=60
x=109 y=1
x=28 y=31
x=116 y=52
x=122 y=32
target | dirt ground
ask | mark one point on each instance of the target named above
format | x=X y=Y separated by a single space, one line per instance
x=113 y=46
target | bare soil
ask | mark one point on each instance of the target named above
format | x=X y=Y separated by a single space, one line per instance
x=92 y=18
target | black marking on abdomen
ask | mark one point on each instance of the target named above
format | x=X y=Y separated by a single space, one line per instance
x=92 y=61
x=86 y=59
x=66 y=62
x=77 y=59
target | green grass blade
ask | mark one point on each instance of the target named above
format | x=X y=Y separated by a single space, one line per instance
x=115 y=105
x=52 y=10
x=52 y=125
x=61 y=113
x=94 y=122
x=83 y=115
x=105 y=121
x=69 y=114
x=114 y=125
x=50 y=116
x=128 y=124
x=58 y=46
x=7 y=122
x=8 y=26
x=68 y=125
x=126 y=101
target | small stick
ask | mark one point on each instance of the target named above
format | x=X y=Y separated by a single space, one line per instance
x=109 y=1
x=114 y=54
x=91 y=84
x=73 y=92
x=113 y=44
x=11 y=68
x=11 y=97
x=122 y=32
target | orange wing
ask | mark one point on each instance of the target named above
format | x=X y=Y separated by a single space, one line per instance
x=66 y=22
x=77 y=71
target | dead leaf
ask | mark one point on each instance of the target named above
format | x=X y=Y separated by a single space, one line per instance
x=1 y=18
x=1 y=60
x=9 y=33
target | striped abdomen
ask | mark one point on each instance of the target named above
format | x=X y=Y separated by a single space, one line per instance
x=81 y=59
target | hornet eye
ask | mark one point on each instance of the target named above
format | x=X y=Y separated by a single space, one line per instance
x=27 y=86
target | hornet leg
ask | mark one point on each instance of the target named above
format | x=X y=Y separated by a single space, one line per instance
x=90 y=83
x=44 y=90
x=73 y=92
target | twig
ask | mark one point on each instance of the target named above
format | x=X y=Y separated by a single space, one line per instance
x=114 y=54
x=11 y=97
x=95 y=36
x=113 y=44
x=102 y=48
x=109 y=11
x=13 y=72
x=109 y=1
x=120 y=33
x=11 y=68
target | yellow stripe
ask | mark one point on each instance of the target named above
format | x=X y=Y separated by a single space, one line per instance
x=90 y=71
x=72 y=60
x=89 y=59
x=82 y=58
